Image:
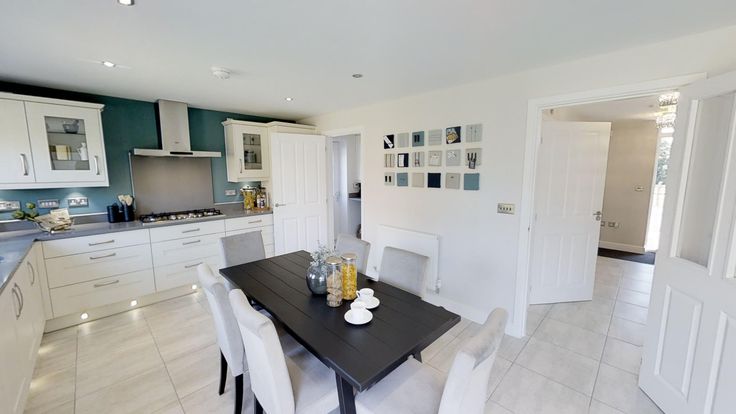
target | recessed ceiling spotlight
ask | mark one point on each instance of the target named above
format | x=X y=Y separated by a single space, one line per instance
x=357 y=75
x=288 y=99
x=126 y=2
x=108 y=64
x=220 y=73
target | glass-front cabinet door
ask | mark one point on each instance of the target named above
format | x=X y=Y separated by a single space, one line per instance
x=67 y=143
x=248 y=151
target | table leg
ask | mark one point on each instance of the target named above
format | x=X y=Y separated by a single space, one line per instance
x=418 y=356
x=345 y=395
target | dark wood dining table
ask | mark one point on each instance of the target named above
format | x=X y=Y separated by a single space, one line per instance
x=402 y=326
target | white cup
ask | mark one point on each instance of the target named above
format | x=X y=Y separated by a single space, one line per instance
x=358 y=306
x=365 y=294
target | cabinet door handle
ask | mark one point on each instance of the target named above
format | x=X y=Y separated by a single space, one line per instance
x=20 y=298
x=102 y=242
x=102 y=257
x=33 y=273
x=241 y=165
x=112 y=282
x=24 y=164
x=17 y=308
x=190 y=230
x=255 y=221
x=192 y=265
x=97 y=165
x=191 y=242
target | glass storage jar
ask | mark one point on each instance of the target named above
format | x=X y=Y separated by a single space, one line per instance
x=334 y=281
x=349 y=276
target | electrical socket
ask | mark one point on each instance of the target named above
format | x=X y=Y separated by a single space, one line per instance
x=230 y=192
x=77 y=202
x=50 y=203
x=506 y=208
x=6 y=206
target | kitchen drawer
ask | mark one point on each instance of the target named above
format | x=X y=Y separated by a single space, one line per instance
x=182 y=274
x=187 y=230
x=67 y=270
x=182 y=250
x=85 y=244
x=82 y=296
x=270 y=250
x=266 y=233
x=240 y=223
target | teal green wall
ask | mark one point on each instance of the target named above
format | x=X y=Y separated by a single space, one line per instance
x=129 y=124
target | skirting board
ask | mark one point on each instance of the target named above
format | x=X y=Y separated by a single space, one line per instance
x=622 y=247
x=114 y=308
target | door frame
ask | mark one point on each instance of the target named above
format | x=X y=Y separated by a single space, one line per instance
x=531 y=149
x=330 y=134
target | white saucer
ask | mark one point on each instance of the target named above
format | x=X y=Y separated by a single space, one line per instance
x=358 y=318
x=370 y=304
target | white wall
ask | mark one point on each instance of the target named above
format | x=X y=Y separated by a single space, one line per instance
x=478 y=248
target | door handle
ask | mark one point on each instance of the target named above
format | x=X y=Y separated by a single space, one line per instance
x=598 y=215
x=97 y=165
x=17 y=310
x=24 y=164
x=241 y=165
x=33 y=273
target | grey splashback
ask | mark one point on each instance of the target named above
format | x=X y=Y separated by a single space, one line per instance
x=171 y=184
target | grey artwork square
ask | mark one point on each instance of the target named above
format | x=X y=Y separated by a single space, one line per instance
x=388 y=179
x=452 y=158
x=389 y=160
x=434 y=159
x=474 y=133
x=452 y=180
x=403 y=140
x=472 y=158
x=417 y=159
x=434 y=137
x=417 y=180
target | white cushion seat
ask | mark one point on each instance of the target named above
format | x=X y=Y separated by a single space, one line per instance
x=413 y=387
x=312 y=382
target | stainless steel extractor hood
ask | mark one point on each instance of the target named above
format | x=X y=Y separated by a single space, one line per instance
x=173 y=129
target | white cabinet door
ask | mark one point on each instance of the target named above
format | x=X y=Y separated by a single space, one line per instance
x=15 y=157
x=689 y=358
x=10 y=378
x=299 y=182
x=567 y=210
x=248 y=152
x=67 y=144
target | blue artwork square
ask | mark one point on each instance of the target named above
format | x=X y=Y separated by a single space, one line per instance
x=417 y=139
x=471 y=182
x=402 y=179
x=434 y=180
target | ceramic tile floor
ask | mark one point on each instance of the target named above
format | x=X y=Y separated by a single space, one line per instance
x=576 y=358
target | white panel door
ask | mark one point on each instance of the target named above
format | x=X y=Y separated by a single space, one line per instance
x=689 y=359
x=571 y=174
x=299 y=180
x=15 y=157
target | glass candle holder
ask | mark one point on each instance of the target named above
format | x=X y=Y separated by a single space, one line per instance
x=334 y=281
x=349 y=276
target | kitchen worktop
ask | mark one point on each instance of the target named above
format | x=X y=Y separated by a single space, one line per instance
x=15 y=245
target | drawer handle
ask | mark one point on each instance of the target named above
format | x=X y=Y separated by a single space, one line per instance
x=112 y=282
x=255 y=221
x=102 y=257
x=102 y=242
x=192 y=265
x=24 y=164
x=190 y=230
x=191 y=242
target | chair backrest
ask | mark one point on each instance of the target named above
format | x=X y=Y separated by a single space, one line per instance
x=269 y=377
x=349 y=244
x=404 y=269
x=241 y=248
x=466 y=389
x=228 y=333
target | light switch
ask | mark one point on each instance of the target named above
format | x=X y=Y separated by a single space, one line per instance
x=506 y=208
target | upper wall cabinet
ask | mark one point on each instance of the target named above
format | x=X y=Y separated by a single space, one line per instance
x=50 y=143
x=248 y=147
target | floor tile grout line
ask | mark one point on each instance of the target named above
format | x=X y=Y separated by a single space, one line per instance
x=163 y=361
x=76 y=367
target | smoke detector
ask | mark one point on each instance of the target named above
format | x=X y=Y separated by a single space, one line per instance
x=220 y=73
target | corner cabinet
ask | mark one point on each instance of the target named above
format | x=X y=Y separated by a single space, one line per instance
x=50 y=143
x=248 y=147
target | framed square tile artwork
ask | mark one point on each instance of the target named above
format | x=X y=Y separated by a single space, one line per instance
x=434 y=137
x=453 y=135
x=452 y=158
x=471 y=182
x=434 y=180
x=388 y=178
x=388 y=142
x=417 y=180
x=472 y=158
x=417 y=139
x=402 y=179
x=402 y=140
x=389 y=160
x=474 y=133
x=417 y=159
x=434 y=159
x=403 y=160
x=452 y=180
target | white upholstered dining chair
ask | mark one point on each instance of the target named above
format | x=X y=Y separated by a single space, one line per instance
x=283 y=383
x=349 y=244
x=232 y=353
x=241 y=248
x=417 y=388
x=404 y=269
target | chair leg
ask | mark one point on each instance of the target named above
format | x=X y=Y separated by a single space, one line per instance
x=223 y=373
x=257 y=409
x=239 y=394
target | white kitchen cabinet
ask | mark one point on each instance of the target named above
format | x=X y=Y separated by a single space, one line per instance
x=248 y=147
x=61 y=144
x=10 y=362
x=15 y=156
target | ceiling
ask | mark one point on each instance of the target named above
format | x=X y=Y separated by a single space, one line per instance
x=645 y=108
x=309 y=49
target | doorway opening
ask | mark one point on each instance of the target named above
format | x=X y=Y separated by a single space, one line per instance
x=346 y=185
